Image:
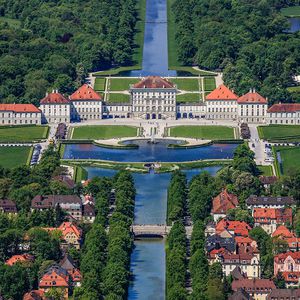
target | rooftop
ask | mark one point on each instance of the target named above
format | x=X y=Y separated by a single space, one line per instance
x=153 y=82
x=54 y=98
x=252 y=97
x=85 y=92
x=223 y=202
x=284 y=107
x=222 y=92
x=19 y=108
x=253 y=284
x=264 y=200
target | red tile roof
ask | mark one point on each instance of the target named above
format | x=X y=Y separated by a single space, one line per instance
x=34 y=295
x=279 y=258
x=69 y=227
x=19 y=258
x=154 y=82
x=283 y=232
x=255 y=285
x=291 y=277
x=223 y=202
x=222 y=92
x=85 y=92
x=54 y=98
x=265 y=215
x=252 y=97
x=239 y=227
x=54 y=277
x=19 y=108
x=284 y=107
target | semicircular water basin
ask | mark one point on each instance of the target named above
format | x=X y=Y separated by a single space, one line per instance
x=148 y=152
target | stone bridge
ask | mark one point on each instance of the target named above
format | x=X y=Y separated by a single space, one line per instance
x=156 y=230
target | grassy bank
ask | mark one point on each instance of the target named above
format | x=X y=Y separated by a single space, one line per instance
x=80 y=174
x=99 y=132
x=292 y=11
x=12 y=157
x=266 y=170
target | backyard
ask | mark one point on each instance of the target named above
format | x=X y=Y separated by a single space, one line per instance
x=11 y=157
x=19 y=134
x=98 y=132
x=203 y=132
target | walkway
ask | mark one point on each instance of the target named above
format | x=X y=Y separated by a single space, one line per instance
x=159 y=229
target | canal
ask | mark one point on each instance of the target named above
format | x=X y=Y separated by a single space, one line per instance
x=148 y=257
x=155 y=51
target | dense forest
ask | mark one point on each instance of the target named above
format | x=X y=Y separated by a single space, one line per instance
x=247 y=40
x=52 y=44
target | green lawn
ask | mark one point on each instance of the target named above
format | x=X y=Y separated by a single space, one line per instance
x=292 y=11
x=11 y=157
x=203 y=132
x=120 y=84
x=19 y=134
x=98 y=132
x=99 y=84
x=290 y=159
x=187 y=84
x=266 y=170
x=118 y=98
x=187 y=98
x=280 y=133
x=209 y=83
x=294 y=89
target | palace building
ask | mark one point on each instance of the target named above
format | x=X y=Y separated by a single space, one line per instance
x=154 y=98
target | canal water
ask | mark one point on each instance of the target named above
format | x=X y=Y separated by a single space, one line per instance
x=295 y=24
x=155 y=51
x=149 y=152
x=148 y=257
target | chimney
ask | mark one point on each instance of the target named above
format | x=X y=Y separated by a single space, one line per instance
x=253 y=90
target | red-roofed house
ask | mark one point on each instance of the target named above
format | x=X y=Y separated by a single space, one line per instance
x=86 y=104
x=283 y=233
x=222 y=203
x=257 y=288
x=284 y=113
x=270 y=218
x=153 y=98
x=55 y=277
x=19 y=114
x=289 y=265
x=252 y=108
x=221 y=104
x=34 y=295
x=238 y=228
x=19 y=259
x=55 y=108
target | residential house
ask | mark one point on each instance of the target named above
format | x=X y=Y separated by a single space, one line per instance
x=252 y=108
x=55 y=277
x=20 y=114
x=55 y=108
x=34 y=295
x=270 y=218
x=8 y=207
x=259 y=289
x=248 y=263
x=292 y=279
x=267 y=181
x=245 y=245
x=88 y=213
x=222 y=203
x=86 y=104
x=240 y=294
x=284 y=113
x=66 y=180
x=221 y=103
x=19 y=259
x=68 y=264
x=269 y=202
x=285 y=234
x=238 y=228
x=284 y=294
x=72 y=204
x=218 y=242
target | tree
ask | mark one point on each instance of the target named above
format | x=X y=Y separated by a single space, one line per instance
x=55 y=294
x=279 y=281
x=214 y=289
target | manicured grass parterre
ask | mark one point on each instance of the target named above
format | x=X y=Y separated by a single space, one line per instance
x=98 y=132
x=203 y=132
x=209 y=83
x=289 y=162
x=121 y=84
x=118 y=98
x=100 y=84
x=12 y=157
x=280 y=133
x=266 y=170
x=19 y=134
x=292 y=11
x=187 y=98
x=187 y=84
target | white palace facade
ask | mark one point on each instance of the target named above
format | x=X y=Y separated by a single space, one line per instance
x=152 y=98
